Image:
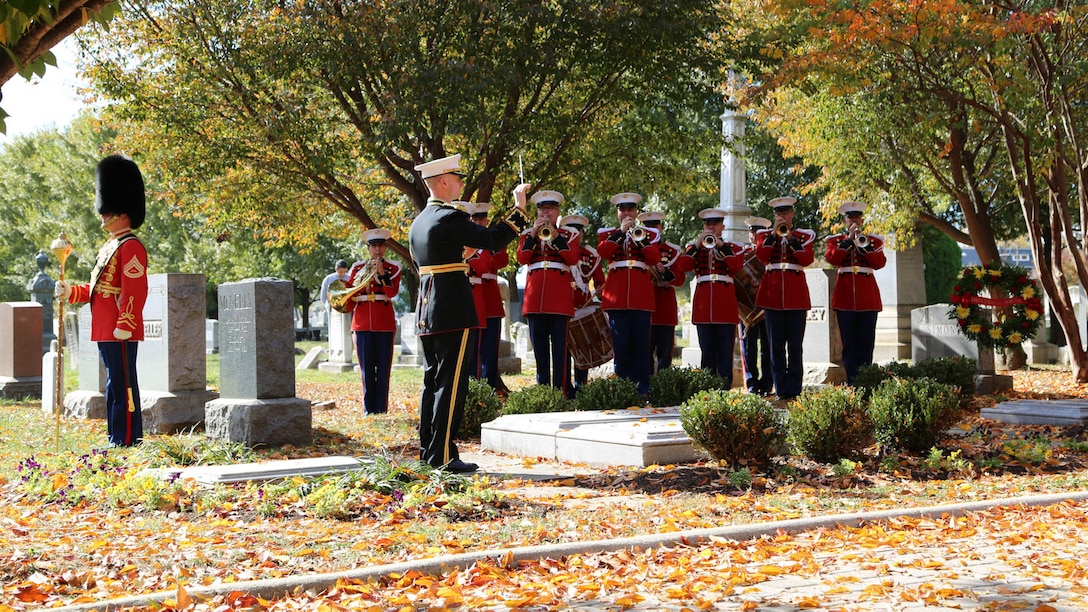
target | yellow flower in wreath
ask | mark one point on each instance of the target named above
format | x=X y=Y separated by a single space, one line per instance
x=974 y=328
x=1015 y=338
x=1030 y=314
x=1028 y=292
x=995 y=273
x=978 y=272
x=962 y=312
x=995 y=333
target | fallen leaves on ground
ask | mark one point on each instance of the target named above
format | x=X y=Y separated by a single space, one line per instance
x=52 y=554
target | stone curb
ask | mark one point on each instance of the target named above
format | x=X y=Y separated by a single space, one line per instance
x=277 y=587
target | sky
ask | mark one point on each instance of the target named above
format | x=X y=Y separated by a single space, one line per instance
x=47 y=101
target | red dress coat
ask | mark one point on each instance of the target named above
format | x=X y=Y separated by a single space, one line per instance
x=666 y=310
x=118 y=289
x=715 y=300
x=628 y=285
x=783 y=286
x=855 y=287
x=589 y=266
x=548 y=284
x=372 y=308
x=493 y=303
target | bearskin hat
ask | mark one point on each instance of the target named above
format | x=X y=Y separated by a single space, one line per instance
x=119 y=189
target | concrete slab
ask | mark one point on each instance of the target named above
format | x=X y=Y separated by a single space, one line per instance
x=1039 y=412
x=635 y=443
x=534 y=435
x=270 y=470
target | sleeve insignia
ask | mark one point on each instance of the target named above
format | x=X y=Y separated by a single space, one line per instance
x=133 y=269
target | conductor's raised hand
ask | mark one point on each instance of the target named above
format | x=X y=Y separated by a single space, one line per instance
x=520 y=201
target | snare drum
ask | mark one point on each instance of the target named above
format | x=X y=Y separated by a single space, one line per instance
x=589 y=338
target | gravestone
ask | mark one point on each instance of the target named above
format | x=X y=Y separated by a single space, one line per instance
x=411 y=350
x=41 y=291
x=172 y=363
x=211 y=337
x=523 y=345
x=1080 y=311
x=341 y=352
x=20 y=356
x=88 y=401
x=935 y=333
x=822 y=344
x=50 y=379
x=902 y=283
x=257 y=403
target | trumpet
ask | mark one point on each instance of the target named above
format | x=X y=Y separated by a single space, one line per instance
x=709 y=241
x=860 y=239
x=782 y=229
x=340 y=294
x=546 y=233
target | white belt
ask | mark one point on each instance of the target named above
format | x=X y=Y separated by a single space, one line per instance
x=548 y=265
x=489 y=276
x=628 y=263
x=475 y=280
x=785 y=266
x=711 y=278
x=856 y=270
x=371 y=297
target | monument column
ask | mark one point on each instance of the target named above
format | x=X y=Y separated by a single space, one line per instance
x=732 y=199
x=41 y=291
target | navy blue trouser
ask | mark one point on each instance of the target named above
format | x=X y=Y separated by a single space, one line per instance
x=375 y=353
x=490 y=337
x=786 y=331
x=757 y=358
x=662 y=340
x=548 y=333
x=630 y=345
x=445 y=386
x=716 y=344
x=124 y=428
x=858 y=332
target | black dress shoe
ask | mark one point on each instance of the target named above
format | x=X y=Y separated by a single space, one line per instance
x=460 y=467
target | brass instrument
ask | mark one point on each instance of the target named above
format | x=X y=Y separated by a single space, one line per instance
x=859 y=238
x=546 y=233
x=782 y=230
x=340 y=294
x=709 y=241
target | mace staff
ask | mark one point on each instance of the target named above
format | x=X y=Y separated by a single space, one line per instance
x=62 y=249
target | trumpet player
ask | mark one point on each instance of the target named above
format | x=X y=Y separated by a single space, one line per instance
x=484 y=266
x=714 y=306
x=373 y=321
x=856 y=297
x=667 y=275
x=628 y=296
x=783 y=294
x=549 y=251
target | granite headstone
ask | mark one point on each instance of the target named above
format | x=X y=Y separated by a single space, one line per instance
x=20 y=353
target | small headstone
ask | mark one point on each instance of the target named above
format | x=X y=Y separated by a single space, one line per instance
x=309 y=362
x=523 y=345
x=266 y=470
x=340 y=354
x=1063 y=413
x=20 y=341
x=49 y=380
x=256 y=367
x=211 y=337
x=934 y=333
x=411 y=350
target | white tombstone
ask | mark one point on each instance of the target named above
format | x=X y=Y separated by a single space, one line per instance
x=341 y=352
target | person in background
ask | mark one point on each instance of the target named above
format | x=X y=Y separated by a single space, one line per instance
x=714 y=305
x=856 y=298
x=667 y=274
x=628 y=296
x=373 y=321
x=783 y=294
x=548 y=251
x=340 y=273
x=445 y=311
x=484 y=268
x=117 y=292
x=587 y=286
x=753 y=338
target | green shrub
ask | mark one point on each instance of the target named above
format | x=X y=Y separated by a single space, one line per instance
x=481 y=406
x=534 y=399
x=674 y=386
x=612 y=393
x=910 y=414
x=733 y=426
x=829 y=424
x=960 y=372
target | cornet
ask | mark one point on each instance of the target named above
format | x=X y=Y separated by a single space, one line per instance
x=709 y=241
x=782 y=230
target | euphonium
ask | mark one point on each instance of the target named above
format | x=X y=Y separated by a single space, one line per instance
x=340 y=294
x=782 y=229
x=709 y=241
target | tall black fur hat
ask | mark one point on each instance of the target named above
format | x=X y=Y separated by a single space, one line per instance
x=119 y=189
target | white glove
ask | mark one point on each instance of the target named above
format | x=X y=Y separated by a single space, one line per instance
x=62 y=290
x=122 y=334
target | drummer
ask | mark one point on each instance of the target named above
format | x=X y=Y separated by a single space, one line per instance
x=588 y=282
x=753 y=338
x=714 y=306
x=549 y=251
x=667 y=275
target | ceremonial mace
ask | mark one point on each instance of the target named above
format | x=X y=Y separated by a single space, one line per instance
x=62 y=249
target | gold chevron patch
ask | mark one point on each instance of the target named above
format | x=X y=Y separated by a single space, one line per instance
x=133 y=269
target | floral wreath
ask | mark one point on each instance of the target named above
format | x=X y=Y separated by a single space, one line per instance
x=1019 y=307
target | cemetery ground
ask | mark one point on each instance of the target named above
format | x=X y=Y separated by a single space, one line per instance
x=80 y=523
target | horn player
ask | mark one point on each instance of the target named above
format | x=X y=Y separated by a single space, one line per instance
x=783 y=294
x=856 y=298
x=373 y=321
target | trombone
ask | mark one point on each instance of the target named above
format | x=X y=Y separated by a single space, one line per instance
x=340 y=294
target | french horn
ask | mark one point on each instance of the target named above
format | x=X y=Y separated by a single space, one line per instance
x=340 y=294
